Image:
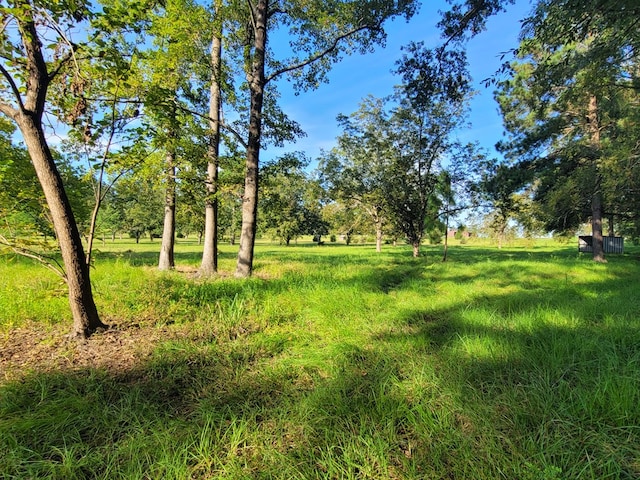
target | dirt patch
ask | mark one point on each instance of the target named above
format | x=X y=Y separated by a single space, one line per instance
x=36 y=348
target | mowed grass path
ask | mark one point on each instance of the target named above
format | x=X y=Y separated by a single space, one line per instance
x=335 y=362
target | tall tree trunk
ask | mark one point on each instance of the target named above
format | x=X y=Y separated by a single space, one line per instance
x=83 y=308
x=446 y=237
x=209 y=263
x=28 y=117
x=596 y=199
x=612 y=232
x=379 y=223
x=244 y=265
x=166 y=261
x=596 y=227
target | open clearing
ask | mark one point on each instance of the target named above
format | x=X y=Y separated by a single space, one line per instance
x=331 y=362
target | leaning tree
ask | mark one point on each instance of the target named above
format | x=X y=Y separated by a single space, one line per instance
x=36 y=51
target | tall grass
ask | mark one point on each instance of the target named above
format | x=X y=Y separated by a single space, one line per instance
x=337 y=362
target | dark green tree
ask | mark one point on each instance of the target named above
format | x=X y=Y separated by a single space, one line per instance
x=567 y=108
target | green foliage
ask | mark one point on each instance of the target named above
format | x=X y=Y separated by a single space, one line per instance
x=569 y=106
x=389 y=157
x=23 y=209
x=290 y=204
x=355 y=171
x=140 y=202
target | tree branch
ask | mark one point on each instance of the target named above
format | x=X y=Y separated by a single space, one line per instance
x=69 y=56
x=223 y=124
x=318 y=56
x=49 y=262
x=16 y=94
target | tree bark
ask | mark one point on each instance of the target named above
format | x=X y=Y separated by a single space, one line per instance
x=256 y=79
x=83 y=308
x=379 y=236
x=416 y=249
x=596 y=227
x=612 y=232
x=28 y=116
x=209 y=264
x=166 y=261
x=446 y=237
x=596 y=199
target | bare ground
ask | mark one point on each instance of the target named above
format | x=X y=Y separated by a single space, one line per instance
x=37 y=348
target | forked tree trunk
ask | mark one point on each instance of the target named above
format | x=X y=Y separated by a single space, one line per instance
x=209 y=263
x=85 y=314
x=166 y=261
x=244 y=265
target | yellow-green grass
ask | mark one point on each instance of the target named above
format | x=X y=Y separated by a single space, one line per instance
x=337 y=362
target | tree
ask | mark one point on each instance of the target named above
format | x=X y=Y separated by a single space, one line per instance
x=497 y=188
x=320 y=31
x=345 y=219
x=31 y=62
x=357 y=169
x=173 y=88
x=142 y=201
x=432 y=103
x=566 y=106
x=285 y=208
x=209 y=264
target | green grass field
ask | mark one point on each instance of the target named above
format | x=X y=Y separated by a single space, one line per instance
x=332 y=362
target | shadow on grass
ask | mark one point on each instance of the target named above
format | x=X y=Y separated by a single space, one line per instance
x=411 y=405
x=149 y=257
x=439 y=393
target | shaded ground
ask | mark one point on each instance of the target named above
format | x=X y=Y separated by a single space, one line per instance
x=34 y=347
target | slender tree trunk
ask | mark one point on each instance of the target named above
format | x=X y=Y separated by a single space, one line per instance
x=612 y=232
x=209 y=263
x=94 y=217
x=596 y=199
x=416 y=249
x=596 y=227
x=166 y=261
x=83 y=308
x=446 y=237
x=378 y=222
x=244 y=266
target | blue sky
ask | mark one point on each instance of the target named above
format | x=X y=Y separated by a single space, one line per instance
x=358 y=76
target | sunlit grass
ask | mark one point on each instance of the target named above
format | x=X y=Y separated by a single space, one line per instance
x=337 y=362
